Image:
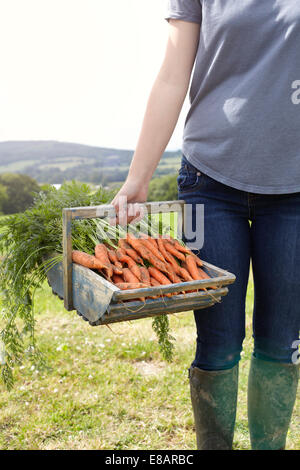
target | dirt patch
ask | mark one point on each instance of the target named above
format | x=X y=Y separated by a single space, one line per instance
x=150 y=368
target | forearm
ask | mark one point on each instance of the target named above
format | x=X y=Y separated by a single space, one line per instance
x=161 y=115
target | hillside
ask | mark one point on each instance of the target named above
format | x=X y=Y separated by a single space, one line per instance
x=54 y=162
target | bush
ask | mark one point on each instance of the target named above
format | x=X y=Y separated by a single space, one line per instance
x=163 y=188
x=18 y=192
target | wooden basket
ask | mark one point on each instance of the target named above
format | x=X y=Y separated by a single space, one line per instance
x=101 y=302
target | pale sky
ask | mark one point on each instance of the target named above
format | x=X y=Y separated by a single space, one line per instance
x=80 y=70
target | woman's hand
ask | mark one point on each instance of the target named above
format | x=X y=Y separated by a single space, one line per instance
x=126 y=201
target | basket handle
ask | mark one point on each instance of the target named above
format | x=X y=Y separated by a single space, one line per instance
x=93 y=212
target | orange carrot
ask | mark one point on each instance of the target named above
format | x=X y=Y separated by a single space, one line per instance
x=130 y=285
x=117 y=270
x=120 y=254
x=122 y=243
x=161 y=278
x=135 y=269
x=186 y=250
x=130 y=251
x=154 y=282
x=134 y=255
x=185 y=274
x=192 y=267
x=146 y=280
x=112 y=256
x=145 y=276
x=173 y=276
x=197 y=259
x=204 y=275
x=146 y=253
x=182 y=248
x=170 y=248
x=102 y=254
x=89 y=261
x=129 y=276
x=168 y=257
x=130 y=263
x=148 y=242
x=117 y=279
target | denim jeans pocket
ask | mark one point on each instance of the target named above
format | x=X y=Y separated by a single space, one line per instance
x=188 y=182
x=189 y=177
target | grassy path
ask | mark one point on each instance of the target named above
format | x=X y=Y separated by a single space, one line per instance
x=110 y=389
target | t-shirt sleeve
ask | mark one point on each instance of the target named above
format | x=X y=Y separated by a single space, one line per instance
x=187 y=10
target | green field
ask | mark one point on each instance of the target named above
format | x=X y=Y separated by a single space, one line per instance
x=109 y=388
x=16 y=166
x=55 y=162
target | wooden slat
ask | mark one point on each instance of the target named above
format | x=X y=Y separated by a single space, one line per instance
x=219 y=278
x=91 y=293
x=67 y=259
x=176 y=306
x=149 y=304
x=105 y=210
x=170 y=288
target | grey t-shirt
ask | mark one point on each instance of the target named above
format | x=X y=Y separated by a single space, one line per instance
x=243 y=125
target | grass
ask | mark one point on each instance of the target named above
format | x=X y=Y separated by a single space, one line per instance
x=110 y=389
x=16 y=166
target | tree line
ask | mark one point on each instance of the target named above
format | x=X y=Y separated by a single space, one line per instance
x=17 y=190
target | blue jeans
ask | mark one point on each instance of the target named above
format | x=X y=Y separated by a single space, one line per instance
x=240 y=227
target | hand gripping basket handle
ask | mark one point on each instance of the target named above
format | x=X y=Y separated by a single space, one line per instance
x=93 y=212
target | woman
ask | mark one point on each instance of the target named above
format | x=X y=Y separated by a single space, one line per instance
x=241 y=159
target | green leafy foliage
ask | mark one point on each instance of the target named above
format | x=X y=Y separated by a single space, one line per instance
x=26 y=238
x=160 y=325
x=28 y=242
x=163 y=188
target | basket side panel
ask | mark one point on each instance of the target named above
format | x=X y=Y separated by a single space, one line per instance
x=91 y=296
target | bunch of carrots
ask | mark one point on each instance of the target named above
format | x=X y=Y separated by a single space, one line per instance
x=143 y=261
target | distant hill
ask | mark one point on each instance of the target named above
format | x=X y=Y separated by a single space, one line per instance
x=54 y=162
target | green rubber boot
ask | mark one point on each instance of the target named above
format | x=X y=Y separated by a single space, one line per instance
x=272 y=389
x=214 y=400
